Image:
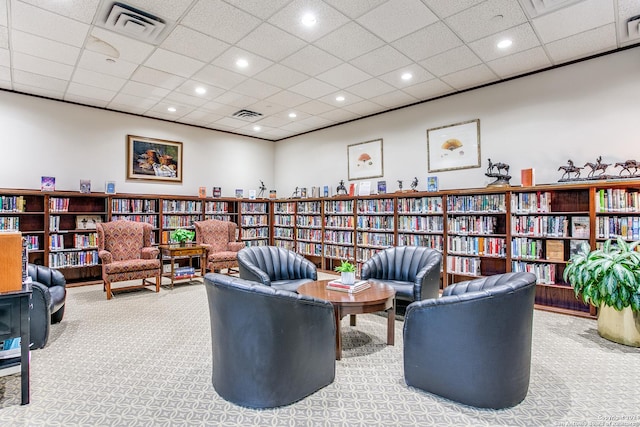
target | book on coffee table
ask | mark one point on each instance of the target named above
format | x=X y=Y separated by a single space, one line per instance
x=337 y=285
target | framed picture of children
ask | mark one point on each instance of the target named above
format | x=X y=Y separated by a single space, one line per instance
x=154 y=159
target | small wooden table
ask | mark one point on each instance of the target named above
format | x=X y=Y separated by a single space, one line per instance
x=173 y=251
x=379 y=297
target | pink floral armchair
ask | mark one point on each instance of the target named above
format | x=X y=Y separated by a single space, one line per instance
x=219 y=238
x=126 y=253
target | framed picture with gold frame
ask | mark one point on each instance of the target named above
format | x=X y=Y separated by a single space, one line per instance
x=454 y=146
x=154 y=159
x=365 y=160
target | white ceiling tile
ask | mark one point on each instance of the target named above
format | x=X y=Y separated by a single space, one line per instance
x=173 y=63
x=5 y=72
x=80 y=10
x=289 y=19
x=220 y=20
x=339 y=115
x=44 y=48
x=48 y=84
x=583 y=44
x=196 y=45
x=273 y=121
x=91 y=92
x=486 y=18
x=344 y=75
x=4 y=37
x=129 y=50
x=370 y=88
x=41 y=66
x=574 y=19
x=397 y=18
x=349 y=41
x=315 y=122
x=168 y=9
x=364 y=108
x=37 y=21
x=219 y=109
x=394 y=99
x=163 y=106
x=474 y=76
x=518 y=63
x=219 y=77
x=201 y=117
x=294 y=127
x=231 y=122
x=280 y=76
x=228 y=60
x=428 y=41
x=260 y=8
x=98 y=62
x=313 y=88
x=232 y=99
x=189 y=88
x=3 y=14
x=448 y=8
x=38 y=89
x=281 y=44
x=144 y=90
x=381 y=61
x=349 y=98
x=5 y=58
x=185 y=99
x=267 y=108
x=418 y=74
x=448 y=62
x=134 y=103
x=157 y=78
x=315 y=107
x=355 y=8
x=311 y=61
x=627 y=9
x=288 y=98
x=522 y=36
x=256 y=89
x=429 y=89
x=98 y=80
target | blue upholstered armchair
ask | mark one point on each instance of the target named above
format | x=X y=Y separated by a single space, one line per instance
x=277 y=267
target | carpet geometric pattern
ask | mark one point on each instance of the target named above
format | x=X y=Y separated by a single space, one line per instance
x=144 y=359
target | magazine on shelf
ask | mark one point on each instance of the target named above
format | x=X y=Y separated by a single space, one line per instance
x=47 y=183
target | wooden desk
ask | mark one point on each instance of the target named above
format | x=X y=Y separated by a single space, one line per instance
x=173 y=251
x=379 y=297
x=14 y=322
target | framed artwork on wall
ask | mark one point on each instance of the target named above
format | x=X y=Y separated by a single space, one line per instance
x=154 y=159
x=364 y=160
x=454 y=146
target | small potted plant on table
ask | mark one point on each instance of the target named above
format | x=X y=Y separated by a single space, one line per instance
x=347 y=272
x=182 y=236
x=609 y=278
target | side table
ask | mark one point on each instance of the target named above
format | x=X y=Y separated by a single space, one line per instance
x=173 y=251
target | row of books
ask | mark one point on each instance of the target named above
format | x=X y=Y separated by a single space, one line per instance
x=472 y=224
x=375 y=239
x=73 y=259
x=422 y=223
x=9 y=223
x=430 y=241
x=311 y=207
x=545 y=273
x=463 y=265
x=253 y=207
x=309 y=234
x=307 y=248
x=334 y=236
x=337 y=285
x=219 y=217
x=420 y=205
x=617 y=200
x=531 y=202
x=611 y=227
x=468 y=245
x=284 y=208
x=375 y=206
x=338 y=221
x=59 y=204
x=375 y=222
x=338 y=252
x=338 y=206
x=283 y=220
x=255 y=220
x=133 y=206
x=183 y=272
x=314 y=221
x=12 y=204
x=179 y=221
x=215 y=207
x=550 y=226
x=477 y=203
x=149 y=219
x=286 y=233
x=255 y=233
x=32 y=242
x=286 y=244
x=181 y=206
x=363 y=254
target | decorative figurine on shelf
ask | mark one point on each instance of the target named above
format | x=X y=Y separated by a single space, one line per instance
x=627 y=165
x=341 y=190
x=262 y=189
x=414 y=184
x=569 y=169
x=296 y=193
x=400 y=186
x=499 y=171
x=597 y=166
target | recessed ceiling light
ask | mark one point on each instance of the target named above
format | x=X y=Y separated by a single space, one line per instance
x=503 y=44
x=339 y=98
x=309 y=20
x=406 y=76
x=293 y=115
x=242 y=63
x=201 y=90
x=171 y=109
x=257 y=128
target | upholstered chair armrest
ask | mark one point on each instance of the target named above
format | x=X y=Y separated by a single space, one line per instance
x=235 y=246
x=106 y=257
x=40 y=322
x=207 y=247
x=253 y=273
x=427 y=283
x=46 y=276
x=149 y=253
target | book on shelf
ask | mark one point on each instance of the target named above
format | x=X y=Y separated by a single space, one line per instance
x=239 y=193
x=48 y=183
x=217 y=191
x=580 y=227
x=527 y=177
x=432 y=183
x=252 y=194
x=315 y=192
x=337 y=285
x=273 y=194
x=110 y=187
x=85 y=186
x=555 y=250
x=382 y=187
x=352 y=189
x=364 y=189
x=326 y=191
x=202 y=192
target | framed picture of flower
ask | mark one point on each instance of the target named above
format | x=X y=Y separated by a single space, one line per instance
x=364 y=160
x=454 y=146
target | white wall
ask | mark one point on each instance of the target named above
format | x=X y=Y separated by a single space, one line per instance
x=576 y=112
x=70 y=142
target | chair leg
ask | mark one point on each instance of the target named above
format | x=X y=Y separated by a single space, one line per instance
x=108 y=285
x=158 y=278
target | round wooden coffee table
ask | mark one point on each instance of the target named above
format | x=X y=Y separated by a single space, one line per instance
x=379 y=297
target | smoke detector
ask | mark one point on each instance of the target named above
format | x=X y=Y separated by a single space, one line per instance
x=131 y=22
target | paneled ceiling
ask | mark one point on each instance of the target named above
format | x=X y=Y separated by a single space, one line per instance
x=181 y=60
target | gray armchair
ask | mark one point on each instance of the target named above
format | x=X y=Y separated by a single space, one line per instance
x=277 y=267
x=48 y=298
x=269 y=348
x=413 y=271
x=473 y=345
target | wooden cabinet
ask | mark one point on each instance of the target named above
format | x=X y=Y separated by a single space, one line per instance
x=25 y=211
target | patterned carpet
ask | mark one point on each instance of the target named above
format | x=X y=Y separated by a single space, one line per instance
x=144 y=359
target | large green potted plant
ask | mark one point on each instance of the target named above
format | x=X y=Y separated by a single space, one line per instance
x=182 y=236
x=609 y=278
x=347 y=272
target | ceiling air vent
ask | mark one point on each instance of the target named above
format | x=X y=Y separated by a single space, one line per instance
x=633 y=26
x=541 y=7
x=247 y=115
x=132 y=22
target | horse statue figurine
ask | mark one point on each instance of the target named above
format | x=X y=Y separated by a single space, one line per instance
x=414 y=184
x=597 y=166
x=499 y=171
x=569 y=169
x=627 y=165
x=498 y=167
